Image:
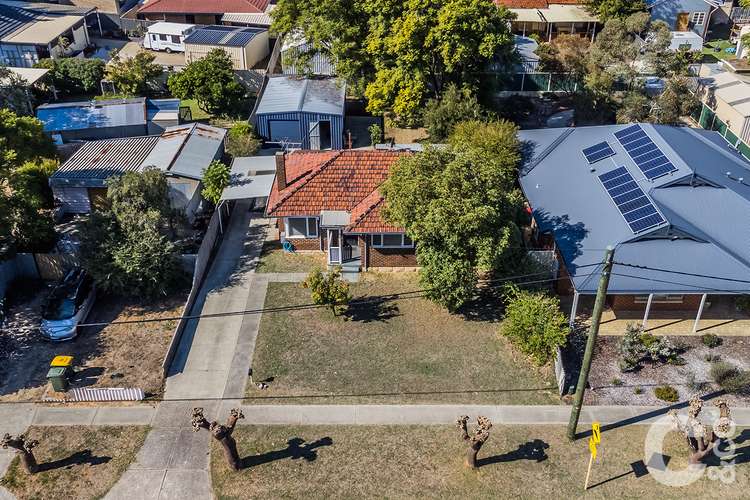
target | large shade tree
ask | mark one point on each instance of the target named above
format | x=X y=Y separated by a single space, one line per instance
x=461 y=207
x=400 y=53
x=608 y=9
x=210 y=81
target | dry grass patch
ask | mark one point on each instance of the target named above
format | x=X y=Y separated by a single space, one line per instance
x=75 y=462
x=391 y=348
x=427 y=462
x=273 y=259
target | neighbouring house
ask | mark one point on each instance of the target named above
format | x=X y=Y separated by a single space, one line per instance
x=549 y=18
x=672 y=201
x=108 y=119
x=182 y=152
x=685 y=15
x=727 y=94
x=328 y=201
x=108 y=11
x=205 y=12
x=247 y=47
x=305 y=113
x=32 y=31
x=317 y=62
x=261 y=19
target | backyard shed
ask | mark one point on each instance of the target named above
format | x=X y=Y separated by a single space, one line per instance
x=302 y=112
x=246 y=46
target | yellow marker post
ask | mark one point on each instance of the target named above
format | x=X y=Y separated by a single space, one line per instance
x=595 y=439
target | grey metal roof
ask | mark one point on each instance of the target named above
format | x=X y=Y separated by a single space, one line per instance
x=15 y=16
x=704 y=202
x=93 y=114
x=250 y=177
x=285 y=94
x=49 y=8
x=97 y=161
x=13 y=19
x=226 y=36
x=185 y=150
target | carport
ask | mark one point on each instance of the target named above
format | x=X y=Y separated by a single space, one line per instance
x=250 y=178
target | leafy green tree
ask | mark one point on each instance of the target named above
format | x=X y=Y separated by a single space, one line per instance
x=22 y=139
x=132 y=75
x=534 y=323
x=376 y=134
x=215 y=180
x=608 y=9
x=676 y=101
x=30 y=182
x=402 y=52
x=210 y=81
x=635 y=108
x=328 y=289
x=441 y=115
x=126 y=248
x=73 y=75
x=461 y=207
x=566 y=54
x=14 y=93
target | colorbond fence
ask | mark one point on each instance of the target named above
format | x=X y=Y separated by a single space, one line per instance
x=707 y=119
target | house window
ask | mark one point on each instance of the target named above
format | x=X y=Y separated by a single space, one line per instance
x=397 y=240
x=698 y=18
x=302 y=227
x=659 y=299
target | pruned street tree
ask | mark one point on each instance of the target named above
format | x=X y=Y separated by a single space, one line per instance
x=476 y=439
x=24 y=447
x=700 y=438
x=329 y=289
x=221 y=433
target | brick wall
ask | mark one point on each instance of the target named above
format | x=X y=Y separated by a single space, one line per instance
x=627 y=303
x=305 y=243
x=563 y=286
x=391 y=257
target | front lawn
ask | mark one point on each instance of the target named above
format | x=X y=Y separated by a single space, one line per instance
x=273 y=259
x=390 y=349
x=710 y=54
x=427 y=462
x=75 y=462
x=116 y=355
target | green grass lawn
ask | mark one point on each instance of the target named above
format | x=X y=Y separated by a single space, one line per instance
x=388 y=350
x=197 y=112
x=75 y=462
x=273 y=259
x=710 y=55
x=427 y=462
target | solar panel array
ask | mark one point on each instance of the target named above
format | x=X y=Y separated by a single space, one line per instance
x=228 y=36
x=646 y=155
x=637 y=209
x=598 y=152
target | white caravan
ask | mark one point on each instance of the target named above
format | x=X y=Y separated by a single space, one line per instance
x=168 y=37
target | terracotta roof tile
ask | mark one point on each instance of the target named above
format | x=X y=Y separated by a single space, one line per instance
x=366 y=216
x=341 y=180
x=204 y=6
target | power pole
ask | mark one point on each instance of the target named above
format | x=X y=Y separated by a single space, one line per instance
x=596 y=317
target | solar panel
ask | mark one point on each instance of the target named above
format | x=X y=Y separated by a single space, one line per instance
x=635 y=207
x=598 y=152
x=644 y=152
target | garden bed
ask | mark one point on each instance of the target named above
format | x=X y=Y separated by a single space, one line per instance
x=611 y=386
x=75 y=463
x=532 y=461
x=393 y=346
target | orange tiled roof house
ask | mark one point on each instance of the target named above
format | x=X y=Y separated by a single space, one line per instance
x=328 y=201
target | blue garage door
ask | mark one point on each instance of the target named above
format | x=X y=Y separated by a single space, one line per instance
x=284 y=130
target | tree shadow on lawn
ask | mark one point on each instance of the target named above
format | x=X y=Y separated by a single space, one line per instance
x=531 y=450
x=366 y=309
x=295 y=450
x=77 y=458
x=487 y=306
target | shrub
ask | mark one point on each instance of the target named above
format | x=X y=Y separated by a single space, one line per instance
x=534 y=323
x=712 y=358
x=241 y=140
x=73 y=75
x=710 y=340
x=638 y=390
x=328 y=289
x=729 y=377
x=637 y=346
x=455 y=105
x=693 y=384
x=215 y=180
x=667 y=393
x=742 y=303
x=617 y=382
x=376 y=134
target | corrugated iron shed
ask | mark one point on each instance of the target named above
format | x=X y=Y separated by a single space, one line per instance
x=285 y=94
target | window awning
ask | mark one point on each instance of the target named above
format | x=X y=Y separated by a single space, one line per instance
x=334 y=218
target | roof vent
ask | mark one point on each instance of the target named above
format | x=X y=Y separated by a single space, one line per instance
x=592 y=170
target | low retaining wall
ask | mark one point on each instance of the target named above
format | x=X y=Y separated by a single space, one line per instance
x=202 y=260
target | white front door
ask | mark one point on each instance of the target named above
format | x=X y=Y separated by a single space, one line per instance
x=334 y=246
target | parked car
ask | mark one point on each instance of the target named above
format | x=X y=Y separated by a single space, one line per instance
x=67 y=305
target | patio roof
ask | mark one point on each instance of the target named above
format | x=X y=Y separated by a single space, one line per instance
x=250 y=177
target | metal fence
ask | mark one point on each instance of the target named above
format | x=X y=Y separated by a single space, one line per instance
x=532 y=82
x=707 y=119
